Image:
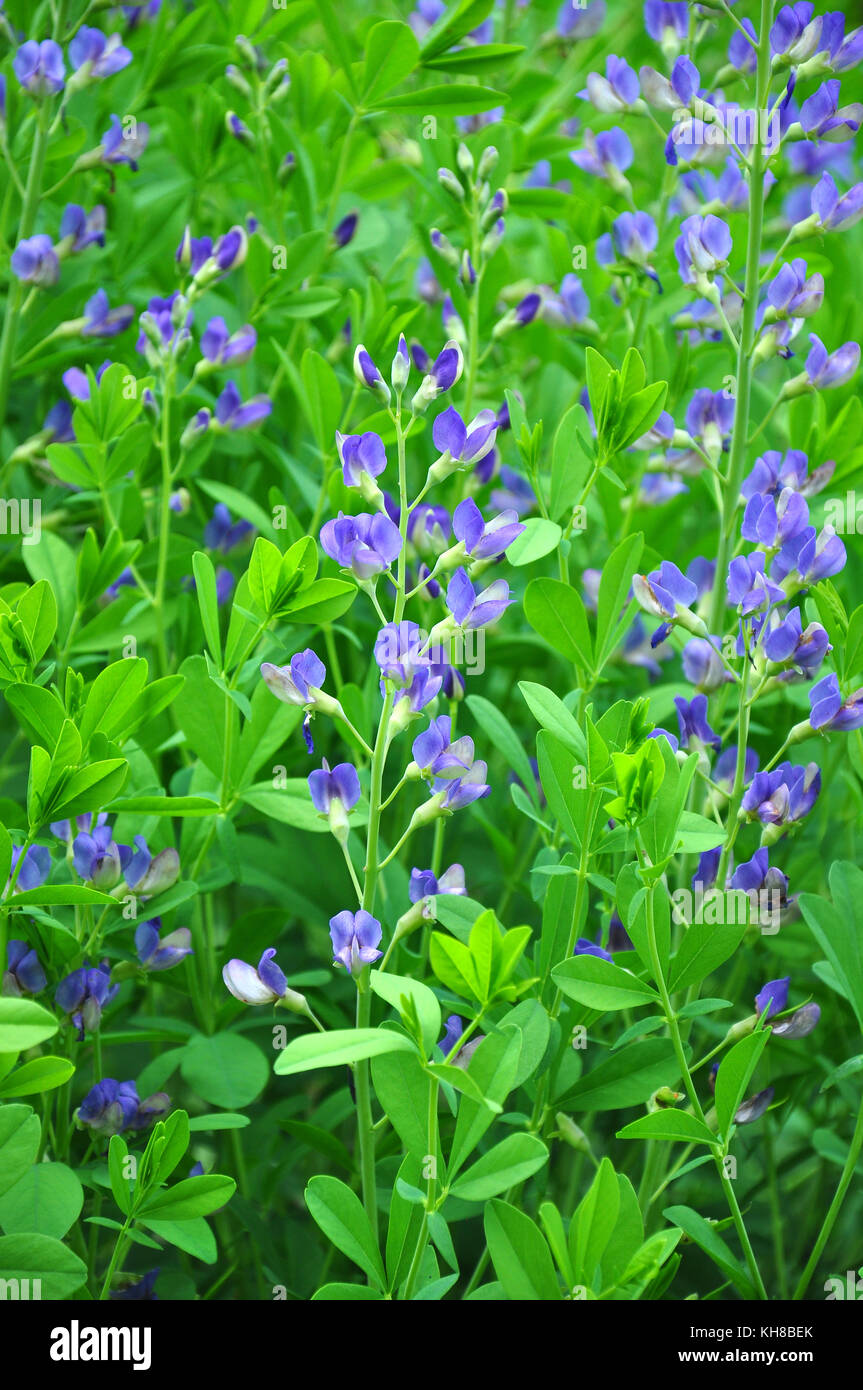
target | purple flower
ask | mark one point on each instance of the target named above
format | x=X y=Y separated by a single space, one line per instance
x=232 y=414
x=429 y=528
x=101 y=321
x=103 y=55
x=584 y=947
x=632 y=239
x=472 y=610
x=111 y=1107
x=580 y=21
x=221 y=534
x=754 y=1108
x=264 y=985
x=161 y=953
x=570 y=306
x=617 y=91
x=462 y=791
x=771 y=521
x=98 y=860
x=34 y=261
x=670 y=94
x=786 y=644
x=606 y=156
x=466 y=443
x=702 y=249
x=365 y=544
x=346 y=230
x=667 y=23
x=794 y=35
x=34 y=870
x=664 y=593
x=361 y=455
x=826 y=370
x=221 y=347
x=773 y=997
x=749 y=589
x=122 y=147
x=481 y=539
x=830 y=711
x=703 y=665
x=775 y=471
x=355 y=937
x=147 y=874
x=399 y=652
x=340 y=784
x=808 y=557
x=24 y=974
x=424 y=885
x=367 y=374
x=799 y=1024
x=784 y=795
x=81 y=227
x=445 y=371
x=835 y=212
x=741 y=54
x=159 y=319
x=437 y=755
x=143 y=1290
x=757 y=876
x=820 y=114
x=299 y=682
x=695 y=732
x=83 y=994
x=39 y=67
x=792 y=295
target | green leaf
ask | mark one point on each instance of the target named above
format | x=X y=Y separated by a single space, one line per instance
x=706 y=1237
x=835 y=928
x=193 y=1236
x=734 y=1075
x=520 y=1255
x=672 y=1125
x=503 y=737
x=340 y=1214
x=111 y=696
x=628 y=1077
x=455 y=99
x=600 y=985
x=452 y=26
x=394 y=987
x=614 y=586
x=20 y=1133
x=705 y=947
x=48 y=1200
x=23 y=1022
x=392 y=53
x=121 y=1185
x=227 y=1069
x=190 y=1198
x=593 y=1223
x=539 y=538
x=33 y=1256
x=338 y=1048
x=509 y=1162
x=208 y=603
x=551 y=713
x=558 y=614
x=40 y=1074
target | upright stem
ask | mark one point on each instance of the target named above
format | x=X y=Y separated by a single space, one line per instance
x=835 y=1206
x=32 y=194
x=737 y=462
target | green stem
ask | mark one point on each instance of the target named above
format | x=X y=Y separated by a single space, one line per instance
x=742 y=394
x=835 y=1206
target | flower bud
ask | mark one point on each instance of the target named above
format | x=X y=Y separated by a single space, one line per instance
x=450 y=184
